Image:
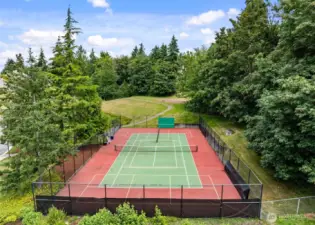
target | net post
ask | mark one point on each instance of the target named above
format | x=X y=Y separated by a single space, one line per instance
x=34 y=200
x=221 y=202
x=181 y=201
x=70 y=199
x=50 y=184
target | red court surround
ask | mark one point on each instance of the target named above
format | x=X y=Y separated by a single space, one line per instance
x=85 y=183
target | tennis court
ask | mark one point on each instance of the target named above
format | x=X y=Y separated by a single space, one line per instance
x=144 y=160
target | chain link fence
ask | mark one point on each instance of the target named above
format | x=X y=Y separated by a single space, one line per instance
x=289 y=206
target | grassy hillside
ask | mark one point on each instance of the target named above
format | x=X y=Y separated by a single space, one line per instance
x=139 y=106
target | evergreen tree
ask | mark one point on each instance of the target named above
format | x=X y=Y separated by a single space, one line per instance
x=57 y=62
x=41 y=61
x=82 y=59
x=91 y=63
x=28 y=123
x=9 y=66
x=69 y=38
x=141 y=51
x=173 y=50
x=163 y=52
x=155 y=53
x=31 y=60
x=134 y=52
x=76 y=97
x=19 y=62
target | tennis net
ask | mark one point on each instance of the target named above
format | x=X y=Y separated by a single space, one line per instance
x=139 y=148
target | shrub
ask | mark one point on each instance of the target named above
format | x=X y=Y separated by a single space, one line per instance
x=102 y=217
x=128 y=215
x=55 y=217
x=33 y=218
x=25 y=210
x=9 y=219
x=158 y=218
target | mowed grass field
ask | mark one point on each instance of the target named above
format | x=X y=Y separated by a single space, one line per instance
x=142 y=106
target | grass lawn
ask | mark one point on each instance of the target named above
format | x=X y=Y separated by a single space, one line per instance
x=133 y=107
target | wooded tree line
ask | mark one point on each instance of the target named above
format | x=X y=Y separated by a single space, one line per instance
x=260 y=72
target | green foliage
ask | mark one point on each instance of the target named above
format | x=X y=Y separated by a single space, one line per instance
x=102 y=217
x=105 y=77
x=158 y=218
x=285 y=123
x=33 y=218
x=10 y=206
x=128 y=215
x=56 y=216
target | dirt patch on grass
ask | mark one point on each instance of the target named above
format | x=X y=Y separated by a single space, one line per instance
x=175 y=100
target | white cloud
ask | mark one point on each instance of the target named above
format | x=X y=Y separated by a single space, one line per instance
x=5 y=55
x=206 y=18
x=109 y=43
x=183 y=35
x=40 y=37
x=207 y=31
x=233 y=12
x=99 y=3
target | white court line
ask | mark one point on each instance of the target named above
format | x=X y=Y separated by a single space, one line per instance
x=184 y=162
x=154 y=156
x=133 y=177
x=122 y=165
x=133 y=158
x=175 y=155
x=114 y=161
x=193 y=159
x=89 y=183
x=154 y=167
x=170 y=187
x=214 y=186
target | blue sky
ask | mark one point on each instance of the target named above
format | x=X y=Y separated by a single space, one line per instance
x=115 y=26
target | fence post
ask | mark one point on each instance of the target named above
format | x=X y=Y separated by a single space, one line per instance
x=298 y=206
x=221 y=202
x=181 y=201
x=9 y=149
x=120 y=123
x=50 y=184
x=230 y=155
x=134 y=122
x=73 y=164
x=143 y=192
x=34 y=200
x=70 y=199
x=146 y=121
x=83 y=156
x=261 y=202
x=64 y=171
x=105 y=190
x=238 y=164
x=249 y=173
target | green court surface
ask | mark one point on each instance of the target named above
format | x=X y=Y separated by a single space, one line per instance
x=143 y=161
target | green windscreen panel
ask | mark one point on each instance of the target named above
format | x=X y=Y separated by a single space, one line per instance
x=166 y=122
